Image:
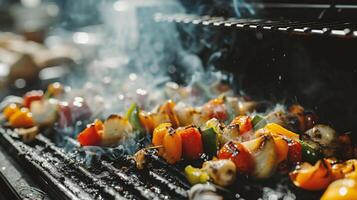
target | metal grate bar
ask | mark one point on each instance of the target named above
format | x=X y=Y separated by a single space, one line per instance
x=330 y=28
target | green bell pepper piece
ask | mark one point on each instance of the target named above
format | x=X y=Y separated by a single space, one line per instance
x=133 y=117
x=210 y=141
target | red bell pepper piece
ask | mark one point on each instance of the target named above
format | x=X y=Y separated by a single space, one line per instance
x=192 y=146
x=90 y=136
x=244 y=122
x=29 y=97
x=237 y=153
x=294 y=152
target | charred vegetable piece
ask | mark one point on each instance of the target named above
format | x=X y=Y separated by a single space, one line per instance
x=322 y=137
x=258 y=122
x=279 y=130
x=89 y=136
x=172 y=147
x=21 y=119
x=133 y=117
x=344 y=189
x=10 y=110
x=221 y=172
x=244 y=123
x=210 y=141
x=309 y=154
x=196 y=175
x=159 y=134
x=239 y=154
x=192 y=146
x=316 y=177
x=140 y=159
x=115 y=128
x=29 y=97
x=347 y=169
x=295 y=152
x=215 y=109
x=265 y=156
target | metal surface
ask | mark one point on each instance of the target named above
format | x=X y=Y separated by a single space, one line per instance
x=63 y=176
x=337 y=28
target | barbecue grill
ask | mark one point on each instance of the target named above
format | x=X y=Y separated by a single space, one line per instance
x=286 y=52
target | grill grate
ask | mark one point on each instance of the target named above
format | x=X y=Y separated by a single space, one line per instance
x=329 y=28
x=63 y=176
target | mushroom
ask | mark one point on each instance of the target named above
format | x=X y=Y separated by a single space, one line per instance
x=322 y=137
x=221 y=172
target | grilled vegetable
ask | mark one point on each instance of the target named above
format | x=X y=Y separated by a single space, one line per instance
x=258 y=122
x=215 y=109
x=140 y=159
x=21 y=119
x=168 y=108
x=54 y=90
x=65 y=118
x=44 y=112
x=244 y=123
x=279 y=130
x=80 y=109
x=196 y=175
x=133 y=116
x=159 y=134
x=29 y=97
x=27 y=134
x=192 y=146
x=221 y=172
x=239 y=154
x=10 y=110
x=282 y=148
x=184 y=113
x=115 y=128
x=309 y=154
x=172 y=146
x=295 y=152
x=316 y=177
x=347 y=169
x=344 y=189
x=264 y=154
x=210 y=141
x=322 y=137
x=90 y=136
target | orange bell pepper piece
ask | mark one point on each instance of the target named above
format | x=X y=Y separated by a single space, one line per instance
x=244 y=122
x=310 y=177
x=10 y=110
x=172 y=147
x=282 y=148
x=21 y=119
x=159 y=134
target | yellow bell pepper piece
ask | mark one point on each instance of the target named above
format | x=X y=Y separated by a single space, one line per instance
x=279 y=130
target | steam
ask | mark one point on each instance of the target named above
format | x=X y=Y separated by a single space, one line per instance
x=240 y=6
